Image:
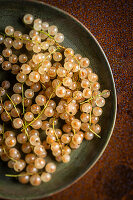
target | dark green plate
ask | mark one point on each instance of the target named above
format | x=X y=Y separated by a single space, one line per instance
x=82 y=41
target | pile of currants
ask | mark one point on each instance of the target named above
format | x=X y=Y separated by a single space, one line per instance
x=54 y=104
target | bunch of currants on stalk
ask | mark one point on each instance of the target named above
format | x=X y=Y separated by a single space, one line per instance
x=54 y=104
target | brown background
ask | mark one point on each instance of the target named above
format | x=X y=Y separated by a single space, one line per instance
x=112 y=176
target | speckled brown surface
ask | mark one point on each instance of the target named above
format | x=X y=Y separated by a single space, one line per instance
x=112 y=176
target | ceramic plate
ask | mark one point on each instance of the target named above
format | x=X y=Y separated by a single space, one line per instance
x=83 y=42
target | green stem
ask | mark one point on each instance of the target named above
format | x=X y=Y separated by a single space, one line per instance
x=90 y=118
x=9 y=156
x=60 y=46
x=57 y=44
x=25 y=174
x=94 y=133
x=56 y=135
x=43 y=86
x=87 y=100
x=45 y=106
x=6 y=110
x=46 y=58
x=17 y=175
x=23 y=98
x=13 y=104
x=26 y=130
x=74 y=131
x=93 y=97
x=46 y=34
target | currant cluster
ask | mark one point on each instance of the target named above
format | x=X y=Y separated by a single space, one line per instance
x=55 y=103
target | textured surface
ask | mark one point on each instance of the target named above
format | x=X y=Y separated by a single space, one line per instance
x=112 y=176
